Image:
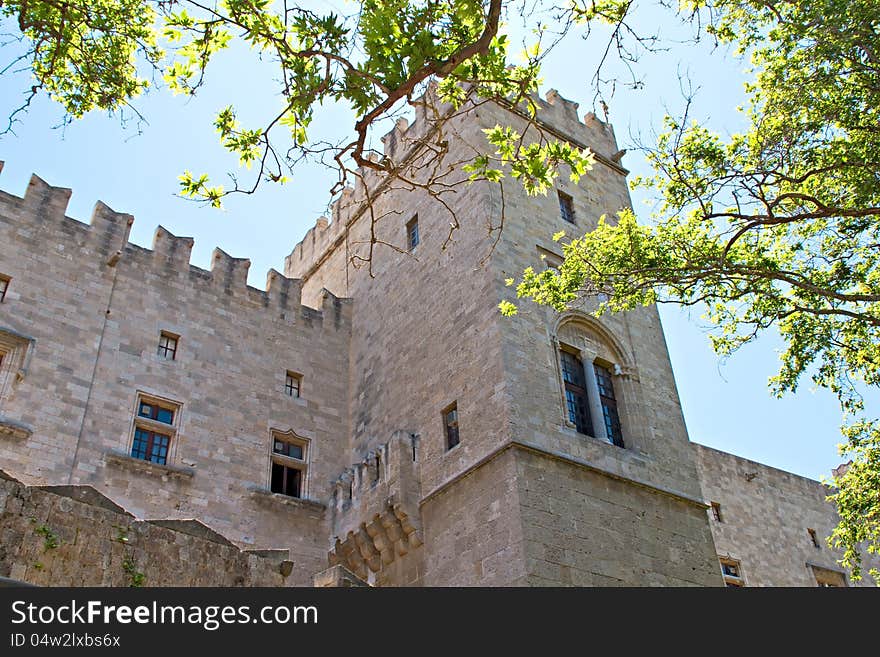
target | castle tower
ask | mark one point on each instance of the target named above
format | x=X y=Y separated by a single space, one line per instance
x=542 y=449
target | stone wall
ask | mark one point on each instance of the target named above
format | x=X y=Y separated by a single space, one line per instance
x=584 y=528
x=427 y=333
x=765 y=517
x=86 y=309
x=75 y=536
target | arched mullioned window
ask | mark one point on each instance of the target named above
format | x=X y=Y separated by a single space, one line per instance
x=590 y=360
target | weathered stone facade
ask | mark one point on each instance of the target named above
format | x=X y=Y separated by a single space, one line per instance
x=773 y=523
x=74 y=536
x=388 y=337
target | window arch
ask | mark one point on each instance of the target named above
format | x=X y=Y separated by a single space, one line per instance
x=591 y=364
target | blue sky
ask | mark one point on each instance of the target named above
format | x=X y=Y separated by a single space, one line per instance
x=134 y=169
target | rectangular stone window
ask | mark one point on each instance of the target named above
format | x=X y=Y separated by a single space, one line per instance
x=412 y=233
x=814 y=538
x=609 y=405
x=732 y=572
x=168 y=345
x=154 y=428
x=450 y=425
x=566 y=206
x=4 y=285
x=827 y=578
x=576 y=402
x=548 y=260
x=293 y=384
x=716 y=511
x=289 y=464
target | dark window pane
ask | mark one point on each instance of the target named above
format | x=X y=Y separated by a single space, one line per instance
x=566 y=207
x=286 y=481
x=451 y=421
x=165 y=415
x=141 y=441
x=412 y=233
x=572 y=370
x=294 y=481
x=277 y=478
x=609 y=405
x=576 y=393
x=288 y=449
x=150 y=446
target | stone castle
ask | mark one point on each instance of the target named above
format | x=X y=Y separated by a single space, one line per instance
x=369 y=418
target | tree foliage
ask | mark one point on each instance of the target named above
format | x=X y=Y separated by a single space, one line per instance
x=774 y=227
x=102 y=55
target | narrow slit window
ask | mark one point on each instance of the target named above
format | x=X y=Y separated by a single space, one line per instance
x=814 y=538
x=4 y=286
x=412 y=233
x=716 y=511
x=450 y=422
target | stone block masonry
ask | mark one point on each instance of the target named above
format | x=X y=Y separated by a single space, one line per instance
x=75 y=536
x=308 y=428
x=85 y=310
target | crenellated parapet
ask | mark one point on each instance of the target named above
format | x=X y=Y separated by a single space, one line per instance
x=374 y=508
x=556 y=115
x=43 y=209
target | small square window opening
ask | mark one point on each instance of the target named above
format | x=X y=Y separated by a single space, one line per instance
x=293 y=384
x=168 y=345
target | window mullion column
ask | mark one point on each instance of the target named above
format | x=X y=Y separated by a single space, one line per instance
x=593 y=398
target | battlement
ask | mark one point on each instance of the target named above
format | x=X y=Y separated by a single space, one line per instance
x=374 y=506
x=106 y=236
x=558 y=115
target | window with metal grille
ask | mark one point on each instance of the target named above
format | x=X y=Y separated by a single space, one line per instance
x=293 y=384
x=289 y=464
x=4 y=285
x=576 y=392
x=609 y=405
x=154 y=429
x=566 y=206
x=412 y=233
x=450 y=422
x=168 y=345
